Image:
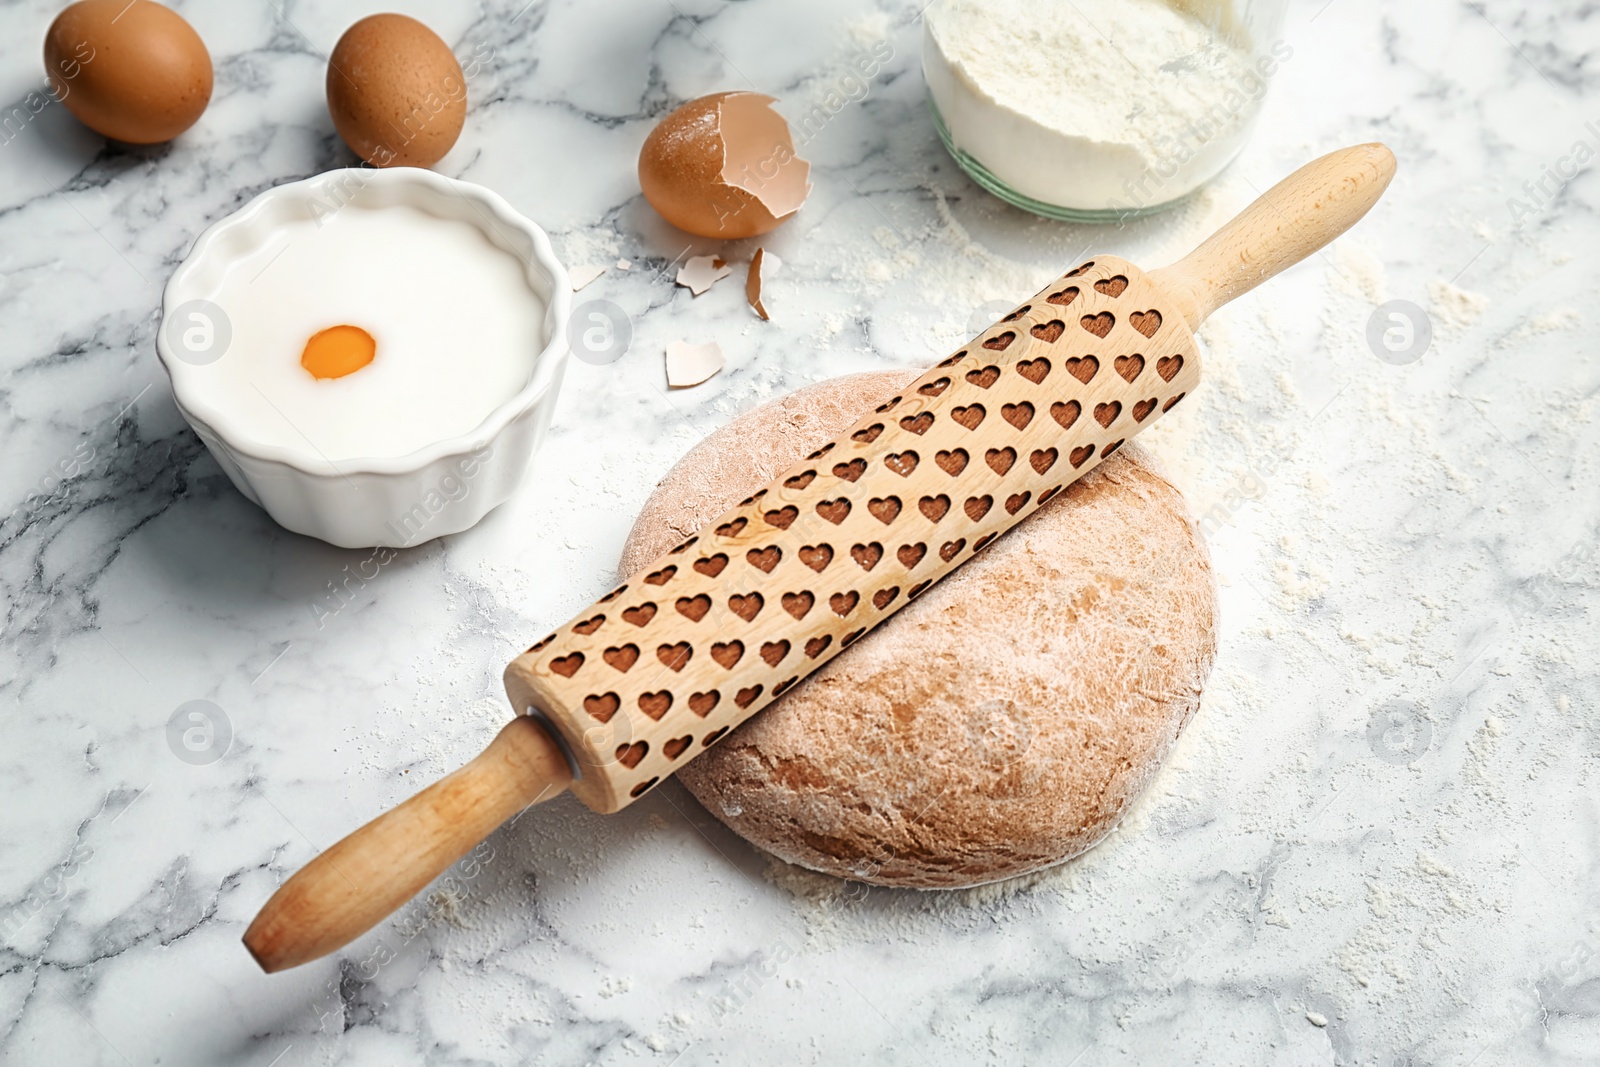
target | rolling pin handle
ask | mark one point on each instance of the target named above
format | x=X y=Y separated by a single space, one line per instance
x=349 y=888
x=1287 y=223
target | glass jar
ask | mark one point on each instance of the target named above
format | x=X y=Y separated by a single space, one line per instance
x=1098 y=112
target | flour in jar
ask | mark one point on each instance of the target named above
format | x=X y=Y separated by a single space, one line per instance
x=1095 y=107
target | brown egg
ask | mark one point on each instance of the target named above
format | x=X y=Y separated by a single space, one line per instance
x=395 y=92
x=723 y=166
x=133 y=71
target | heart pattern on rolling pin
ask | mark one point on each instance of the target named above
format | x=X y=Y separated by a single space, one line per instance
x=656 y=680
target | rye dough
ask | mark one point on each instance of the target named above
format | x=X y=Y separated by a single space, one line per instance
x=1001 y=723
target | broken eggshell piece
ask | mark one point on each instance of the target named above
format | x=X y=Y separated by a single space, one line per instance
x=762 y=266
x=689 y=364
x=724 y=166
x=700 y=273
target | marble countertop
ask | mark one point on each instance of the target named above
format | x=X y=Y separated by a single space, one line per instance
x=1379 y=841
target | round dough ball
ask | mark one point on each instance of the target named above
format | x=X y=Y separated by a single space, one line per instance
x=1000 y=723
x=395 y=92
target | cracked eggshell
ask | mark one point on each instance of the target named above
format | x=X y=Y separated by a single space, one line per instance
x=689 y=365
x=762 y=266
x=702 y=272
x=724 y=166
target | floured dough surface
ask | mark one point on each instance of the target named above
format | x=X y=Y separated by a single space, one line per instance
x=1000 y=723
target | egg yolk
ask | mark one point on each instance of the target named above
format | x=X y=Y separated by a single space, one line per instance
x=337 y=351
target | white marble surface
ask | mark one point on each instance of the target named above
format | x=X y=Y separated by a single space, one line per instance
x=1300 y=886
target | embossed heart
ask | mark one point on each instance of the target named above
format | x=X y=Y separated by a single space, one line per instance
x=1083 y=369
x=1146 y=322
x=835 y=511
x=1099 y=325
x=1066 y=414
x=798 y=604
x=969 y=417
x=711 y=566
x=675 y=656
x=764 y=559
x=746 y=606
x=621 y=658
x=602 y=706
x=817 y=557
x=869 y=435
x=884 y=509
x=867 y=555
x=693 y=608
x=902 y=463
x=1018 y=415
x=850 y=471
x=984 y=377
x=1000 y=459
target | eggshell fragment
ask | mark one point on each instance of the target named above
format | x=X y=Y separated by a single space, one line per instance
x=582 y=276
x=689 y=364
x=700 y=273
x=395 y=92
x=132 y=71
x=724 y=166
x=763 y=265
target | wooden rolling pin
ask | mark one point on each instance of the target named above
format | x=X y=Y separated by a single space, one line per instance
x=707 y=635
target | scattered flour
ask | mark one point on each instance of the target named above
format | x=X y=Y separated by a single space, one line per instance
x=1455 y=309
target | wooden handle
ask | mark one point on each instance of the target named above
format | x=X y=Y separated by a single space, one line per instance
x=1293 y=219
x=348 y=889
x=709 y=633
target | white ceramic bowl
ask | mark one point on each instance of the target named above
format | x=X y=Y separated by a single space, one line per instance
x=442 y=488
